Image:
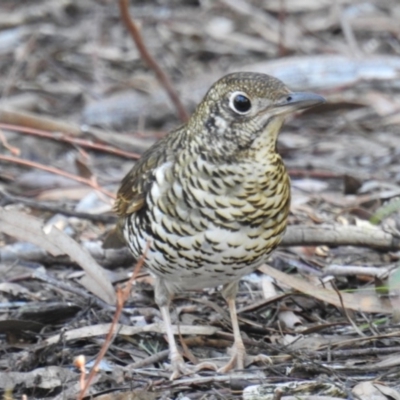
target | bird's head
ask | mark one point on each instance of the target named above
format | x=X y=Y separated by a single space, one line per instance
x=244 y=111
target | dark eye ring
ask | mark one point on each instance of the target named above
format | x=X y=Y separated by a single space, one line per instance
x=240 y=103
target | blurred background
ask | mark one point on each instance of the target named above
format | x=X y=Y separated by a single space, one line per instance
x=76 y=62
x=78 y=105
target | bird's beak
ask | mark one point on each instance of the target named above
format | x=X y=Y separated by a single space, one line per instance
x=297 y=101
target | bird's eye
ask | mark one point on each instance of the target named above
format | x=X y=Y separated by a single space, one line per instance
x=240 y=103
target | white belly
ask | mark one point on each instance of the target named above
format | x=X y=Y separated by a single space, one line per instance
x=200 y=238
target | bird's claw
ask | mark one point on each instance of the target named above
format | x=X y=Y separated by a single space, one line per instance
x=239 y=360
x=258 y=359
x=180 y=368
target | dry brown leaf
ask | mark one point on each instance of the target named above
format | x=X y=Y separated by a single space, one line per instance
x=390 y=361
x=103 y=329
x=374 y=391
x=365 y=302
x=25 y=227
x=389 y=392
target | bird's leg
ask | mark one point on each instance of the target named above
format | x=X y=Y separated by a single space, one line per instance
x=237 y=360
x=163 y=299
x=179 y=367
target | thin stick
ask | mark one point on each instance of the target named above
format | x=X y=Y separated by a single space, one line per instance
x=344 y=309
x=56 y=171
x=339 y=235
x=13 y=150
x=61 y=137
x=154 y=358
x=122 y=296
x=151 y=62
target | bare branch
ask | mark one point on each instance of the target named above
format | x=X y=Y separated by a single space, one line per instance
x=339 y=235
x=122 y=297
x=56 y=171
x=151 y=62
x=62 y=137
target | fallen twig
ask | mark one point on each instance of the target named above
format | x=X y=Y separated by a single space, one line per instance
x=154 y=358
x=122 y=296
x=29 y=119
x=339 y=235
x=353 y=270
x=345 y=312
x=15 y=151
x=103 y=329
x=62 y=137
x=56 y=171
x=151 y=62
x=39 y=122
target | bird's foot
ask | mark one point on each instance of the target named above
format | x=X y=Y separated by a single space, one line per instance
x=258 y=359
x=239 y=360
x=180 y=368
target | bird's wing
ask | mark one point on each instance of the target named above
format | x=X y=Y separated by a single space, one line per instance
x=136 y=184
x=131 y=195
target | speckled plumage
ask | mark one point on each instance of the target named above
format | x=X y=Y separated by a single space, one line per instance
x=213 y=196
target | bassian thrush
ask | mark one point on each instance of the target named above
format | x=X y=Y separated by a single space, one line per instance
x=213 y=196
